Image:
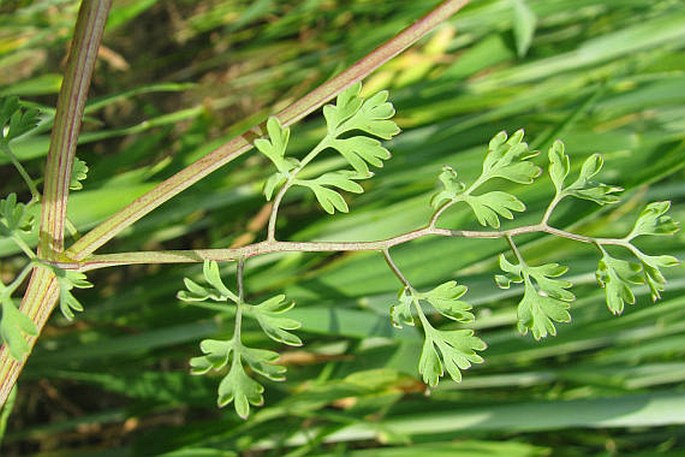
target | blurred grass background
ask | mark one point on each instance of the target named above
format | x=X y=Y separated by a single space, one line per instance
x=176 y=79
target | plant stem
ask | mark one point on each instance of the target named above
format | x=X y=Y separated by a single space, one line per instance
x=42 y=292
x=238 y=146
x=35 y=194
x=395 y=269
x=90 y=26
x=270 y=247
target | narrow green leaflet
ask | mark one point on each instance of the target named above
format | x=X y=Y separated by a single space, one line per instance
x=14 y=217
x=654 y=221
x=69 y=280
x=269 y=314
x=490 y=206
x=323 y=189
x=78 y=173
x=214 y=290
x=559 y=165
x=546 y=299
x=586 y=189
x=450 y=351
x=15 y=121
x=617 y=276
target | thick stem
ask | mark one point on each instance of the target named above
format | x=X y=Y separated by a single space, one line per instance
x=42 y=292
x=90 y=26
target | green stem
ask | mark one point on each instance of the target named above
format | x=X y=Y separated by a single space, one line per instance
x=71 y=102
x=395 y=269
x=35 y=194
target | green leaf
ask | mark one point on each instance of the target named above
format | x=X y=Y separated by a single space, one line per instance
x=546 y=299
x=16 y=121
x=329 y=199
x=269 y=315
x=488 y=207
x=274 y=147
x=445 y=299
x=508 y=159
x=69 y=280
x=559 y=165
x=400 y=312
x=78 y=173
x=14 y=325
x=617 y=276
x=215 y=289
x=654 y=221
x=216 y=356
x=239 y=388
x=651 y=268
x=14 y=217
x=524 y=26
x=586 y=189
x=452 y=187
x=263 y=362
x=360 y=151
x=351 y=113
x=451 y=351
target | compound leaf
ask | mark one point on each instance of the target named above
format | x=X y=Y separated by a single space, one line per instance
x=269 y=314
x=351 y=113
x=546 y=299
x=14 y=217
x=15 y=121
x=451 y=351
x=329 y=199
x=69 y=280
x=400 y=312
x=652 y=276
x=79 y=173
x=508 y=159
x=654 y=221
x=239 y=388
x=617 y=276
x=274 y=147
x=488 y=207
x=445 y=299
x=216 y=356
x=452 y=187
x=215 y=289
x=360 y=151
x=586 y=189
x=14 y=325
